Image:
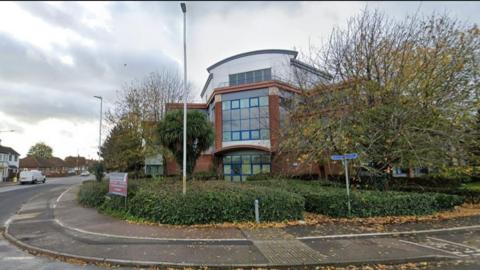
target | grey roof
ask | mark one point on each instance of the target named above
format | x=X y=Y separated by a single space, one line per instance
x=210 y=77
x=290 y=52
x=310 y=68
x=8 y=150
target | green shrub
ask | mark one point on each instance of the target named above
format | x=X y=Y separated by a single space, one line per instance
x=92 y=194
x=332 y=201
x=208 y=175
x=260 y=177
x=205 y=202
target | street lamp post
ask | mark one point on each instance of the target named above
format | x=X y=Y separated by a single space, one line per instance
x=184 y=182
x=100 y=126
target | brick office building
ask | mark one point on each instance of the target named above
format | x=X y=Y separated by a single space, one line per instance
x=242 y=98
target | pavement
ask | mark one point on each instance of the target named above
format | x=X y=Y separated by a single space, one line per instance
x=11 y=199
x=53 y=223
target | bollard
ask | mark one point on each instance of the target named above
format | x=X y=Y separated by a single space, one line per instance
x=257 y=214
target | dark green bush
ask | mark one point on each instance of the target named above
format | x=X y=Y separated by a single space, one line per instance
x=332 y=201
x=205 y=176
x=261 y=177
x=205 y=202
x=92 y=194
x=218 y=202
x=432 y=181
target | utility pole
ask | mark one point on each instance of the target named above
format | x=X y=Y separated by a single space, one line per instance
x=184 y=182
x=100 y=126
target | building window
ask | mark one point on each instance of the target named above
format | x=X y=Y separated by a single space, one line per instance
x=250 y=77
x=239 y=167
x=246 y=119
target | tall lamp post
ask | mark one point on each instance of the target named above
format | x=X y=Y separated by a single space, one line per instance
x=184 y=182
x=100 y=126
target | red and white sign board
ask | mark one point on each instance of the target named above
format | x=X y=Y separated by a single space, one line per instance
x=118 y=184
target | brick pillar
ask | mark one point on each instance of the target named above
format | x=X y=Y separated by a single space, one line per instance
x=218 y=122
x=274 y=113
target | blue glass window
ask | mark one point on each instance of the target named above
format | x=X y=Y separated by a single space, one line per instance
x=235 y=104
x=246 y=119
x=250 y=77
x=244 y=103
x=226 y=136
x=235 y=135
x=226 y=105
x=263 y=101
x=254 y=102
x=239 y=167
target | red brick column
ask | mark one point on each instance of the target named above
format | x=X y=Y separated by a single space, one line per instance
x=218 y=126
x=274 y=112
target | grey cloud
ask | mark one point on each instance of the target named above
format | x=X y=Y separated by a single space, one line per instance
x=39 y=86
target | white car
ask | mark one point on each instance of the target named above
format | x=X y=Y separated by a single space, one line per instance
x=85 y=173
x=33 y=176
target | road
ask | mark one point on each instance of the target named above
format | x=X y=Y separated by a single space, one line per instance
x=11 y=199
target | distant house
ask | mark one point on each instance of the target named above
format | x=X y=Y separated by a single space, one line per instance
x=50 y=167
x=9 y=163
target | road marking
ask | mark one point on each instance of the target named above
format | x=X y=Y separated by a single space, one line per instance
x=454 y=243
x=153 y=238
x=429 y=247
x=388 y=233
x=63 y=193
x=17 y=258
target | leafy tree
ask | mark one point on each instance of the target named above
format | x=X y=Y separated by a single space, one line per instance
x=97 y=169
x=139 y=106
x=74 y=161
x=402 y=94
x=200 y=135
x=122 y=149
x=40 y=150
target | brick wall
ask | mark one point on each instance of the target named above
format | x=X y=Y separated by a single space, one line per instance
x=204 y=163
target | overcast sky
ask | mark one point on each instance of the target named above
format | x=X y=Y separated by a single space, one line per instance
x=55 y=56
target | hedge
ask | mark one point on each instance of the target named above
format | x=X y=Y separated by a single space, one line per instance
x=92 y=193
x=332 y=201
x=205 y=202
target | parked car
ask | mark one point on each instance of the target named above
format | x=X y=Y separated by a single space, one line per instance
x=33 y=176
x=85 y=173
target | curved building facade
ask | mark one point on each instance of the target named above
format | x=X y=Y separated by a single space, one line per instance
x=242 y=97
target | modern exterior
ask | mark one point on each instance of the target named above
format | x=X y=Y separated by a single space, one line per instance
x=9 y=163
x=243 y=98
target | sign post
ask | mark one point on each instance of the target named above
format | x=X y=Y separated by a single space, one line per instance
x=118 y=185
x=344 y=158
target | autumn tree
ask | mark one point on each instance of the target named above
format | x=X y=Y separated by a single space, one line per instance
x=200 y=136
x=402 y=94
x=139 y=106
x=122 y=149
x=41 y=150
x=75 y=161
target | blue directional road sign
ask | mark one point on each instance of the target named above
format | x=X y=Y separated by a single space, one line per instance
x=343 y=157
x=337 y=157
x=351 y=156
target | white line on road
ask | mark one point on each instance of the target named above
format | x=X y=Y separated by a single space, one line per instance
x=18 y=258
x=388 y=233
x=453 y=243
x=429 y=247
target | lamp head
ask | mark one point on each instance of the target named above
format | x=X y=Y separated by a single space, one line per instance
x=184 y=7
